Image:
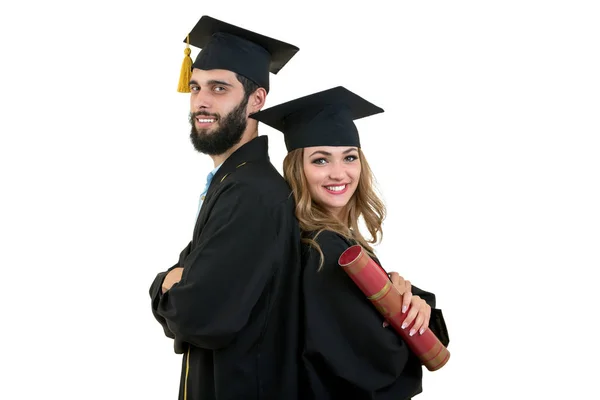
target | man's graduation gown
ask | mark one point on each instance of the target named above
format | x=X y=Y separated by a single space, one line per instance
x=347 y=353
x=234 y=314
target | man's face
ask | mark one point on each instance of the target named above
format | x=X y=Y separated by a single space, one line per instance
x=218 y=114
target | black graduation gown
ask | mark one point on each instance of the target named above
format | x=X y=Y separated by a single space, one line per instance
x=234 y=313
x=347 y=353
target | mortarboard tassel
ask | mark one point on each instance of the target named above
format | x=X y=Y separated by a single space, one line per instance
x=186 y=70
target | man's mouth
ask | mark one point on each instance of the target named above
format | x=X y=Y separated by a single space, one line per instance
x=205 y=120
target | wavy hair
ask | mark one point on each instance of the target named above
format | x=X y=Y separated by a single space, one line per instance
x=314 y=218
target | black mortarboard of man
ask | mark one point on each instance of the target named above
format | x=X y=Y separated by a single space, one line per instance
x=226 y=46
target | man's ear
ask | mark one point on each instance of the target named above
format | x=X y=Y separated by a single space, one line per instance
x=256 y=101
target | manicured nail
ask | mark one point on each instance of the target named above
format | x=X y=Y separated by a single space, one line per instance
x=421 y=331
x=403 y=325
x=412 y=332
x=404 y=308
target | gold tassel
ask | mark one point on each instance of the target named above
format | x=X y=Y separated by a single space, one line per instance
x=186 y=70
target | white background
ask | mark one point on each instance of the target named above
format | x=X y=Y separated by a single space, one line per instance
x=487 y=157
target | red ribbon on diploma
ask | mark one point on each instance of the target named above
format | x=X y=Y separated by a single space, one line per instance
x=374 y=282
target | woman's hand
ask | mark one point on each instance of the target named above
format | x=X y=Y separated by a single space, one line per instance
x=420 y=311
x=404 y=287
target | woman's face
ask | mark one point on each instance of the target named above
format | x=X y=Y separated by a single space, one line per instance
x=332 y=173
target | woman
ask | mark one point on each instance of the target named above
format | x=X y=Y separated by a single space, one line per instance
x=348 y=352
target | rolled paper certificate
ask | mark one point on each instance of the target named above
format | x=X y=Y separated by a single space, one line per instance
x=376 y=285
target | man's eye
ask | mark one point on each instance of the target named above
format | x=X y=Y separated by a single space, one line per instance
x=219 y=89
x=194 y=89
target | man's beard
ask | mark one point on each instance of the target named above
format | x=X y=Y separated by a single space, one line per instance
x=227 y=134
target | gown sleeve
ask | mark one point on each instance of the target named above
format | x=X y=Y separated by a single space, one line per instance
x=437 y=324
x=226 y=271
x=155 y=292
x=345 y=339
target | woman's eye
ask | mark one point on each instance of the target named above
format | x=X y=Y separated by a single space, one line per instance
x=319 y=161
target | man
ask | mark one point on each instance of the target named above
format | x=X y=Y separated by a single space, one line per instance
x=231 y=302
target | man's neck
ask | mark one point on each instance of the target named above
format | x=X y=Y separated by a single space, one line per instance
x=247 y=136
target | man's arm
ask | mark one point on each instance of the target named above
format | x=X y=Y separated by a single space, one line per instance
x=226 y=273
x=156 y=290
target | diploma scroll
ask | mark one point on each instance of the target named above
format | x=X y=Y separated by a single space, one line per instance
x=376 y=285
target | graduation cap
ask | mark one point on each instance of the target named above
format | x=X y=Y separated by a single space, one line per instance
x=226 y=46
x=321 y=119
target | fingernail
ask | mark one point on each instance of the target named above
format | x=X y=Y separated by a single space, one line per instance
x=403 y=326
x=421 y=331
x=404 y=309
x=412 y=332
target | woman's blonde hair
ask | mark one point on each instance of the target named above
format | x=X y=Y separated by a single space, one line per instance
x=313 y=218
